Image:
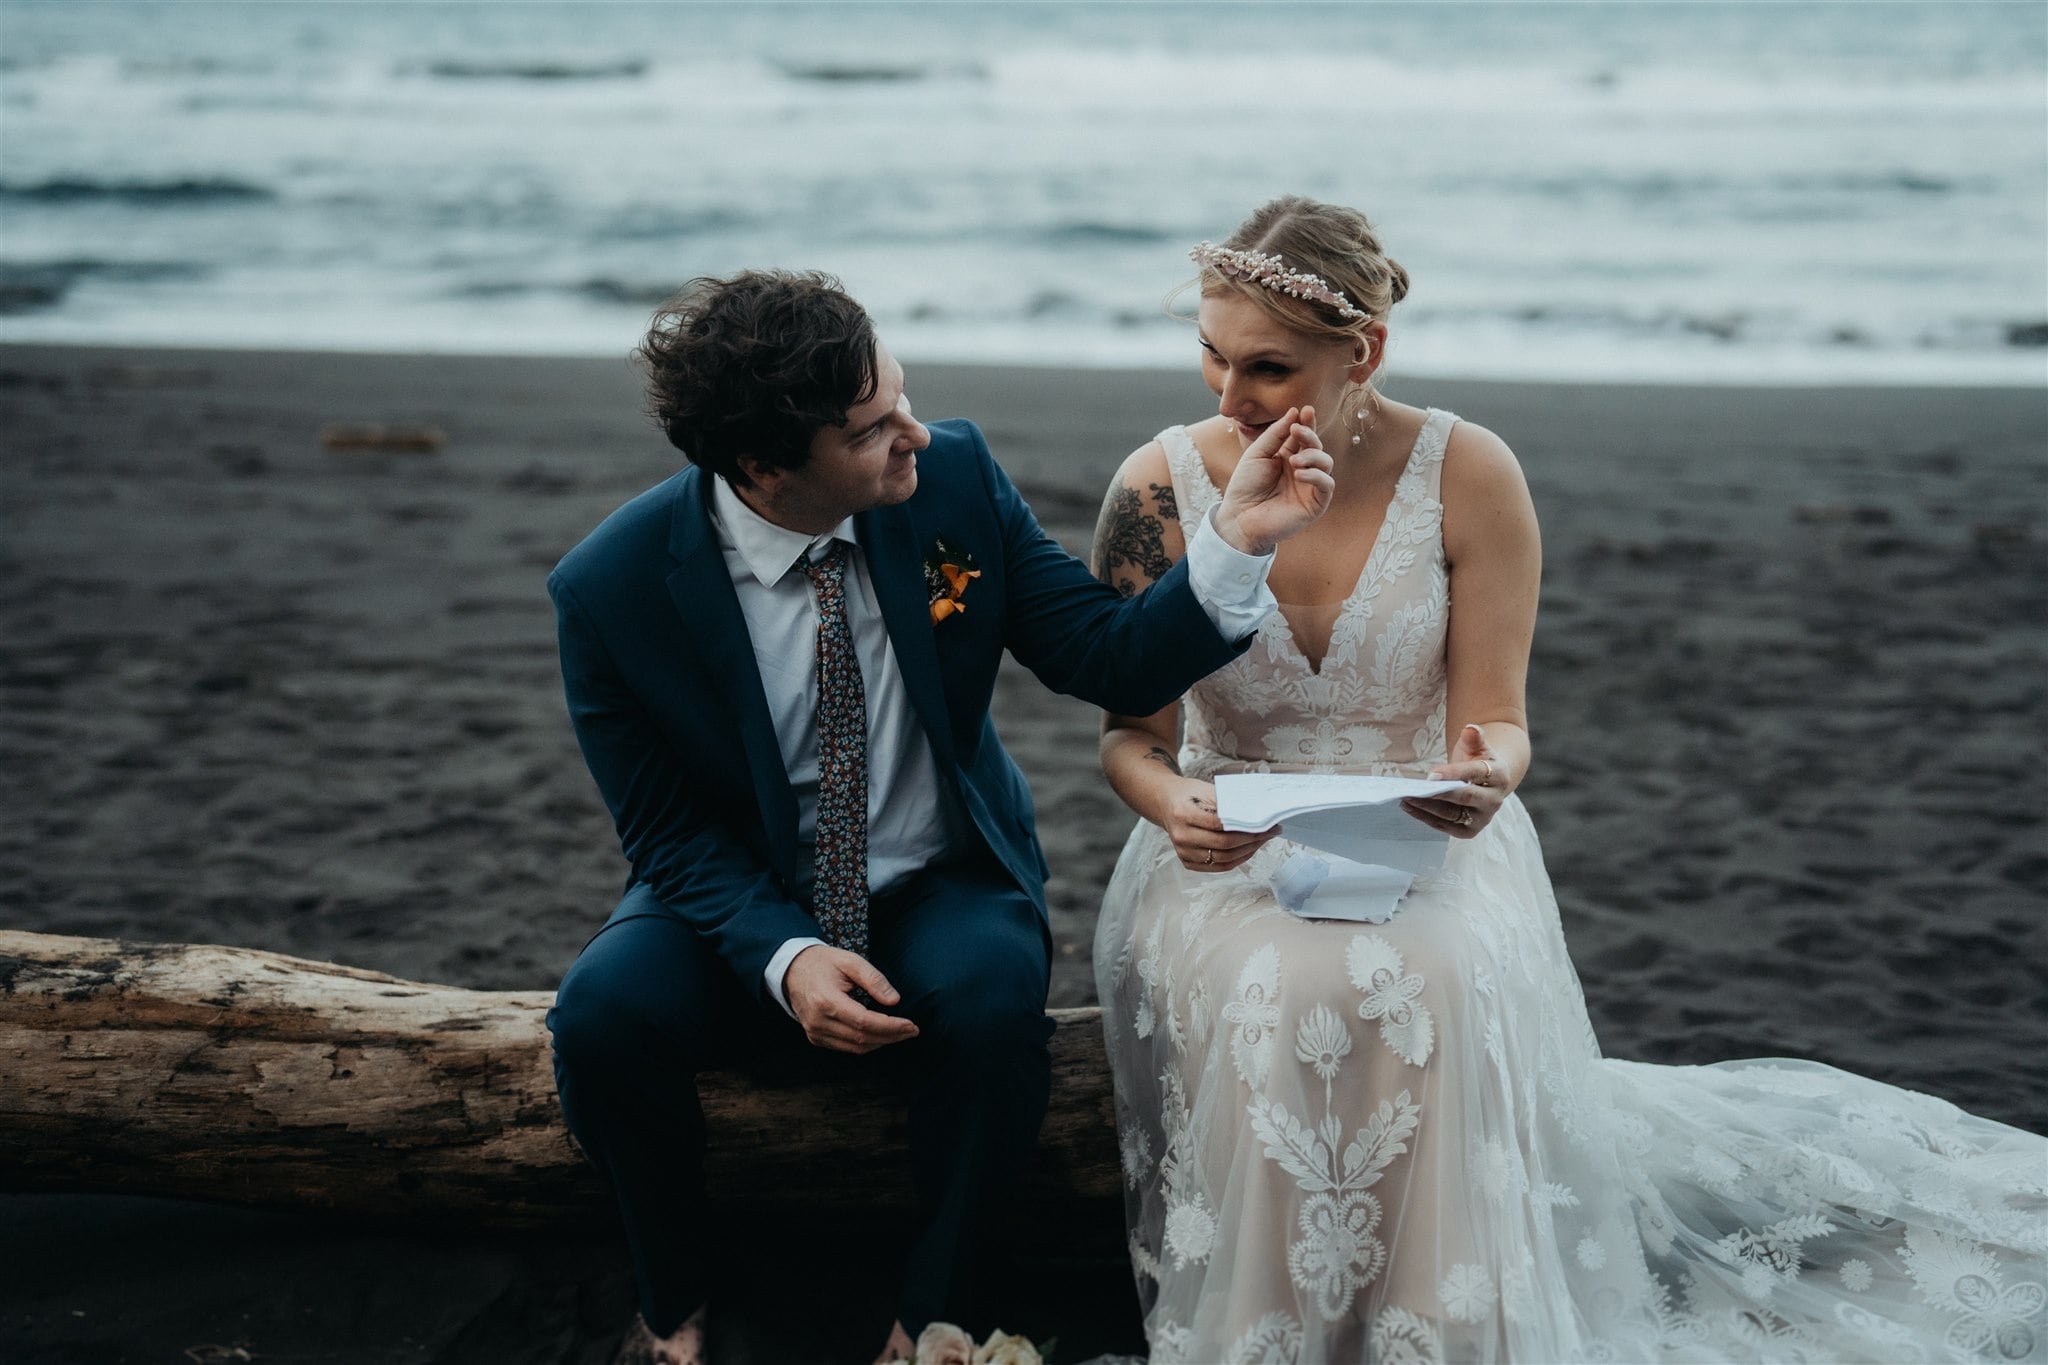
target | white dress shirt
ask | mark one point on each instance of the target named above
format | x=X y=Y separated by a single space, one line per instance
x=909 y=828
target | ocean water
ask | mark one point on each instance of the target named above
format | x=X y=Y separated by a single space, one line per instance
x=1850 y=192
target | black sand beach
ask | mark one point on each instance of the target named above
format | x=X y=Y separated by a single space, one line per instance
x=1787 y=700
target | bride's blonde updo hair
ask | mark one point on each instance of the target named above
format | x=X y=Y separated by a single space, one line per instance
x=1327 y=240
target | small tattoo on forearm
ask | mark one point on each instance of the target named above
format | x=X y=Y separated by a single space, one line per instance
x=1160 y=755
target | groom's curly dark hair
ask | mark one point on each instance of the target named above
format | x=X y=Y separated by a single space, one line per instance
x=756 y=364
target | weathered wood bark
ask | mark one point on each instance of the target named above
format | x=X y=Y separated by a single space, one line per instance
x=254 y=1078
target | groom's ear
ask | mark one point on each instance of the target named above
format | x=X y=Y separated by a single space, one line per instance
x=759 y=474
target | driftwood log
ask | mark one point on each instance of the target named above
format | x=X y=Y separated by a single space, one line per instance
x=253 y=1078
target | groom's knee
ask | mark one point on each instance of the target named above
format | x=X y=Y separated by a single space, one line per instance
x=991 y=1005
x=624 y=1003
x=590 y=1021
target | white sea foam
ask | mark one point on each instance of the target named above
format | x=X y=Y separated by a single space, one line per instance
x=1707 y=193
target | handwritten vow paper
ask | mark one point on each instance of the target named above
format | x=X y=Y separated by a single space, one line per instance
x=1371 y=850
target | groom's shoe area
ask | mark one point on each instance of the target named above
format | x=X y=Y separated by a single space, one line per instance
x=687 y=1345
x=899 y=1346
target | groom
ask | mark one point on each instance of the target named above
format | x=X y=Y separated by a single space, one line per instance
x=778 y=664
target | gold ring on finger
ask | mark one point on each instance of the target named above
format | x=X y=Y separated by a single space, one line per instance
x=1209 y=859
x=1465 y=817
x=1487 y=781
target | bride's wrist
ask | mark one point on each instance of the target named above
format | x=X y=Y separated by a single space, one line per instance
x=1157 y=792
x=1133 y=786
x=1154 y=799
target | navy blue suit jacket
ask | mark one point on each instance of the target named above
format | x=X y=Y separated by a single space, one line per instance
x=669 y=710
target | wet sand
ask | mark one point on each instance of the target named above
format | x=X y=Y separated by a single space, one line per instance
x=1787 y=700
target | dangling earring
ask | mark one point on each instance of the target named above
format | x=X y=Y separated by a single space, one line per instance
x=1368 y=409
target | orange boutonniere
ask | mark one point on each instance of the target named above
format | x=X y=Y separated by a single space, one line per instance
x=947 y=572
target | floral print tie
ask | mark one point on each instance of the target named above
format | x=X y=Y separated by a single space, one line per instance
x=839 y=898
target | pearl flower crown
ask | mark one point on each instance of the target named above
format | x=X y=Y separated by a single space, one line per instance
x=1257 y=267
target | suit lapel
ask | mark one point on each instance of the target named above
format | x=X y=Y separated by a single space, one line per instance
x=701 y=588
x=896 y=567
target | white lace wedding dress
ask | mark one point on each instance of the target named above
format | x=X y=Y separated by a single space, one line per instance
x=1399 y=1141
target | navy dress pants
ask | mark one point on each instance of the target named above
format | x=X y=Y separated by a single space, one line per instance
x=648 y=1005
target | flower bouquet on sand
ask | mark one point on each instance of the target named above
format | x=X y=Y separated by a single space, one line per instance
x=944 y=1344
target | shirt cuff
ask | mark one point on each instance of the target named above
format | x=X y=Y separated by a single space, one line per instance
x=1230 y=585
x=778 y=967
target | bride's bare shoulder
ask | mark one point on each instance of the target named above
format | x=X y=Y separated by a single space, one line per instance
x=1477 y=460
x=1486 y=499
x=1142 y=468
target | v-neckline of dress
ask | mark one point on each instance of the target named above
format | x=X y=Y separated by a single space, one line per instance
x=1379 y=540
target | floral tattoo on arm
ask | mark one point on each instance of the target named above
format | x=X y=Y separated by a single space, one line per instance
x=1130 y=533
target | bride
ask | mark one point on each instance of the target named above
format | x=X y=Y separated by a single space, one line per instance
x=1398 y=1141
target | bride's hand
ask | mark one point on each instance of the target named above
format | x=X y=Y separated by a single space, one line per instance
x=1464 y=812
x=1281 y=484
x=1190 y=821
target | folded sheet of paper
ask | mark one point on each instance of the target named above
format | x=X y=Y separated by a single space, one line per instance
x=1371 y=850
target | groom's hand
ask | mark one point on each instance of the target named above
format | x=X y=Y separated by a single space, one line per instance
x=1282 y=483
x=819 y=986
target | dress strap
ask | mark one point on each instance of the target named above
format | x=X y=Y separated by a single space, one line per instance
x=1430 y=444
x=1193 y=491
